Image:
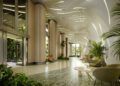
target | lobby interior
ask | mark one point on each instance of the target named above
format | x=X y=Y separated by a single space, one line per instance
x=51 y=40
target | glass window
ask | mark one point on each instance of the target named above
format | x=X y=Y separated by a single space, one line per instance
x=9 y=14
x=22 y=15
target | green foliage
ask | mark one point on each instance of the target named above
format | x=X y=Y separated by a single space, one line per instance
x=13 y=50
x=96 y=49
x=63 y=58
x=115 y=31
x=8 y=79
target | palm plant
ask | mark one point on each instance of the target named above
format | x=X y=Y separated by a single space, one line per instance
x=96 y=49
x=115 y=31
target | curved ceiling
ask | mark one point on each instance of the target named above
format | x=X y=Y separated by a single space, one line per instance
x=81 y=20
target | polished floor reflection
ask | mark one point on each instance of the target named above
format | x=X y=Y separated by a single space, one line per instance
x=61 y=73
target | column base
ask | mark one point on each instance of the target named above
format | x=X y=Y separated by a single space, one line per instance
x=36 y=63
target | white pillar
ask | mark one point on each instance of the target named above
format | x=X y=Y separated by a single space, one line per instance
x=31 y=32
x=58 y=44
x=70 y=49
x=63 y=47
x=40 y=50
x=52 y=38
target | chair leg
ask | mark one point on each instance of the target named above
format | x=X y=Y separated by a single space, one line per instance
x=95 y=83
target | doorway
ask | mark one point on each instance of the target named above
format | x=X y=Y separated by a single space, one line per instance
x=14 y=50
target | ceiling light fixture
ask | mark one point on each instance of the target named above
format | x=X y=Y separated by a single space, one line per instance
x=56 y=9
x=68 y=12
x=94 y=26
x=13 y=10
x=8 y=5
x=107 y=11
x=76 y=8
x=61 y=1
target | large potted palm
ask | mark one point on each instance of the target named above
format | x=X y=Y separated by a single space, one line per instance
x=115 y=31
x=96 y=50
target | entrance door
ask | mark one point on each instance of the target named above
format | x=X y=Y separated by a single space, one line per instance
x=14 y=50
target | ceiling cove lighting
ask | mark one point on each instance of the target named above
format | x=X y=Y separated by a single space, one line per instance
x=14 y=10
x=68 y=12
x=8 y=5
x=56 y=9
x=101 y=28
x=61 y=1
x=95 y=28
x=107 y=11
x=77 y=8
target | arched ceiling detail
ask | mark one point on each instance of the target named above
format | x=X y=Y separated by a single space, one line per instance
x=80 y=19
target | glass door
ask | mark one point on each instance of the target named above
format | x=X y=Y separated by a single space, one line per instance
x=14 y=50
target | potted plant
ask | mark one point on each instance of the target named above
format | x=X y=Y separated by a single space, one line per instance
x=97 y=52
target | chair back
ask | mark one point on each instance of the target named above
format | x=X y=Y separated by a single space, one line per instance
x=107 y=74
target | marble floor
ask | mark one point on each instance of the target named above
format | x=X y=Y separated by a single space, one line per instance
x=60 y=73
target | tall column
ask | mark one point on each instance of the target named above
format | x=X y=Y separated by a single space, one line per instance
x=66 y=47
x=70 y=51
x=52 y=38
x=63 y=43
x=40 y=50
x=58 y=44
x=31 y=32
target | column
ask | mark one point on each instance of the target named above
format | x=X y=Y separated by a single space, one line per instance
x=70 y=49
x=40 y=34
x=66 y=47
x=58 y=44
x=31 y=32
x=52 y=38
x=63 y=44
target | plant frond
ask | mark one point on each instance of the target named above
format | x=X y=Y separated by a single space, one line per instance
x=116 y=46
x=114 y=32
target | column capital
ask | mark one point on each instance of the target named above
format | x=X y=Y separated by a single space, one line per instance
x=52 y=20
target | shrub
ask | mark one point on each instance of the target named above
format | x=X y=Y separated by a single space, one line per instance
x=8 y=79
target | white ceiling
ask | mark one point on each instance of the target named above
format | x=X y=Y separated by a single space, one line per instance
x=80 y=19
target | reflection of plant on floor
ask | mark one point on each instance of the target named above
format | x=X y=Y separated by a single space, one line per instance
x=62 y=57
x=8 y=79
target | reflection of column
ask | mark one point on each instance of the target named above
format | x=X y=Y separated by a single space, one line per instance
x=52 y=38
x=40 y=34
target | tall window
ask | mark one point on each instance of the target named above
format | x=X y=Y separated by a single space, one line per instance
x=22 y=15
x=9 y=14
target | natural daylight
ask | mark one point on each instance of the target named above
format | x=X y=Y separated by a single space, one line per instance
x=59 y=42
